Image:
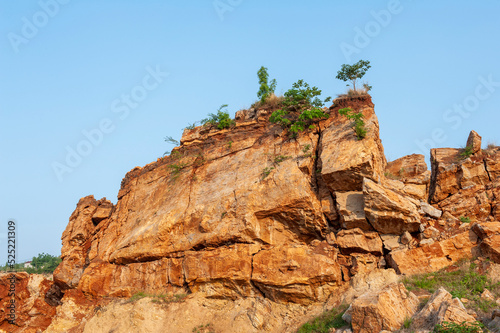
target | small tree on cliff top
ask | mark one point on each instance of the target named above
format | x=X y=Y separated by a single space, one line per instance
x=354 y=72
x=266 y=88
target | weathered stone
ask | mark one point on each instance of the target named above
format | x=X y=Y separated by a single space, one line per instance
x=474 y=142
x=356 y=240
x=490 y=247
x=345 y=160
x=431 y=232
x=430 y=258
x=385 y=310
x=429 y=210
x=407 y=166
x=32 y=312
x=387 y=211
x=470 y=202
x=391 y=242
x=351 y=208
x=440 y=307
x=486 y=229
x=406 y=238
x=296 y=274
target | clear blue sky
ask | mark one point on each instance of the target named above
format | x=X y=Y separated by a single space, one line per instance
x=69 y=68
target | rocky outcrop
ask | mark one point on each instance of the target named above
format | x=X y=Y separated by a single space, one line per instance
x=250 y=221
x=343 y=159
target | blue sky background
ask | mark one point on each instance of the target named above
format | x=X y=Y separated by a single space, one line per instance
x=426 y=57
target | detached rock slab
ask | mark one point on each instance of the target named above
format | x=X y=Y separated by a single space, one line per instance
x=384 y=310
x=387 y=211
x=355 y=240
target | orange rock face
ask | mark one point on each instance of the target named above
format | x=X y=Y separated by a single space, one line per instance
x=217 y=215
x=253 y=213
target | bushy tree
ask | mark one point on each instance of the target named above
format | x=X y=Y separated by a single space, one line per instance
x=266 y=88
x=304 y=99
x=221 y=119
x=353 y=72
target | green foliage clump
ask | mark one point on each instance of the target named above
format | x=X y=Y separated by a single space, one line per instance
x=304 y=99
x=464 y=327
x=354 y=72
x=466 y=152
x=359 y=124
x=464 y=219
x=325 y=322
x=42 y=264
x=266 y=88
x=221 y=119
x=266 y=172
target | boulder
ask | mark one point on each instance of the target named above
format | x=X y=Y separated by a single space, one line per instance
x=351 y=208
x=474 y=142
x=407 y=167
x=429 y=210
x=440 y=307
x=357 y=240
x=389 y=212
x=383 y=310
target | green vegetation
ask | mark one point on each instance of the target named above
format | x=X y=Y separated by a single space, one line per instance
x=207 y=328
x=465 y=327
x=354 y=72
x=266 y=88
x=464 y=219
x=326 y=321
x=221 y=119
x=229 y=144
x=466 y=152
x=280 y=158
x=176 y=169
x=359 y=124
x=407 y=323
x=161 y=298
x=463 y=282
x=42 y=264
x=266 y=172
x=301 y=108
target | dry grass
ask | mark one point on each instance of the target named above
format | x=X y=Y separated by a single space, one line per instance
x=273 y=102
x=351 y=92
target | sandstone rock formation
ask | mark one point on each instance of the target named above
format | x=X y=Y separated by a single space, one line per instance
x=255 y=225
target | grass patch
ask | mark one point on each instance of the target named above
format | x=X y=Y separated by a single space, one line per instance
x=157 y=298
x=326 y=321
x=464 y=282
x=465 y=327
x=466 y=152
x=207 y=328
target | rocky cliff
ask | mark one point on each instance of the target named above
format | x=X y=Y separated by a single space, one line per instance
x=262 y=230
